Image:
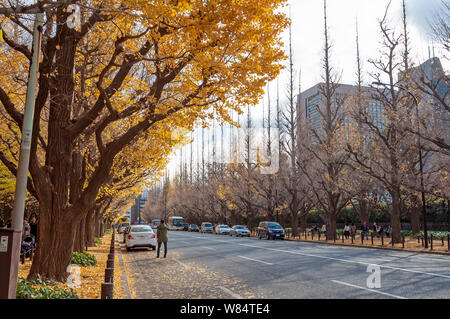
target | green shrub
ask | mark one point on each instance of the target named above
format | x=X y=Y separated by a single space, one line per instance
x=84 y=259
x=97 y=240
x=42 y=289
x=436 y=234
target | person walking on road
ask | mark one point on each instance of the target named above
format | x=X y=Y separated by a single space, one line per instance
x=162 y=237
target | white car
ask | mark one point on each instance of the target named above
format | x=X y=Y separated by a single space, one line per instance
x=140 y=236
x=223 y=229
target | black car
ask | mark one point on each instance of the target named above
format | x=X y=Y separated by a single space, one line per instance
x=193 y=227
x=270 y=230
x=185 y=226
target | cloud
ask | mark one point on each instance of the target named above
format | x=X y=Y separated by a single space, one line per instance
x=421 y=11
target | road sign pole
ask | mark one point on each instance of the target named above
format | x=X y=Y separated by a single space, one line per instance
x=8 y=287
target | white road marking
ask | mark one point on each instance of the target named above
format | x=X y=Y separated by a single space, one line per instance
x=367 y=258
x=371 y=290
x=433 y=259
x=182 y=264
x=350 y=261
x=228 y=291
x=260 y=261
x=208 y=248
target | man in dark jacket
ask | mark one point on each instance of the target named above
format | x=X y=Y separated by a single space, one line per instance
x=162 y=237
x=34 y=227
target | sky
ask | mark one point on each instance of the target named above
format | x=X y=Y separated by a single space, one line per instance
x=307 y=38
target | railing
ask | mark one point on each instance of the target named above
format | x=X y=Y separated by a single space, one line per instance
x=107 y=288
x=312 y=235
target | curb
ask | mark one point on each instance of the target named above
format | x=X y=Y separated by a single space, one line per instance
x=443 y=253
x=124 y=276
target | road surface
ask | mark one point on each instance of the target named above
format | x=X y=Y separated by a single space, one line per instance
x=213 y=266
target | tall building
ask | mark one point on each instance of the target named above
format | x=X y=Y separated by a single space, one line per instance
x=311 y=102
x=431 y=77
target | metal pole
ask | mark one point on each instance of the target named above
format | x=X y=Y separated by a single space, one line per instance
x=424 y=210
x=22 y=170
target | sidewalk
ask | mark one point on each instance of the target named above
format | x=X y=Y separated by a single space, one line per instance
x=91 y=276
x=173 y=278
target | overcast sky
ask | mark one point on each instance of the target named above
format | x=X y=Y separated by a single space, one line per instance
x=307 y=38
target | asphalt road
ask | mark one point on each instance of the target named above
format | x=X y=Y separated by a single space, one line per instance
x=285 y=269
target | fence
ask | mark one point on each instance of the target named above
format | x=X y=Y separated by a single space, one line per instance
x=107 y=287
x=364 y=238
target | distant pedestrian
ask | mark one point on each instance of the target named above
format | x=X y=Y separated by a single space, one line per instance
x=353 y=230
x=388 y=231
x=364 y=230
x=346 y=230
x=162 y=237
x=26 y=229
x=324 y=229
x=380 y=230
x=34 y=227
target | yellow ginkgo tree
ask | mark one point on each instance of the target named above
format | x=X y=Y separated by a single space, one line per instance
x=129 y=68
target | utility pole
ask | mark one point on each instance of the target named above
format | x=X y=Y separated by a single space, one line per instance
x=11 y=238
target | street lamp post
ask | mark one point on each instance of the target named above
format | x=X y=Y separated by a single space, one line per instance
x=10 y=252
x=424 y=211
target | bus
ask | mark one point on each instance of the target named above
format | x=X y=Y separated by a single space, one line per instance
x=176 y=223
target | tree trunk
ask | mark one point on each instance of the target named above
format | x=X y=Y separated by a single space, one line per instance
x=54 y=251
x=102 y=228
x=294 y=224
x=415 y=219
x=331 y=226
x=302 y=222
x=364 y=213
x=395 y=217
x=79 y=241
x=89 y=229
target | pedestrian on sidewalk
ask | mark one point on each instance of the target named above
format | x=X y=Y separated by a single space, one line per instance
x=347 y=230
x=324 y=229
x=162 y=237
x=364 y=230
x=353 y=230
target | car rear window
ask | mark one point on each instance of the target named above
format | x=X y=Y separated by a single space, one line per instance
x=207 y=224
x=141 y=229
x=274 y=225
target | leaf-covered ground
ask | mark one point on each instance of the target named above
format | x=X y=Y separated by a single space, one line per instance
x=169 y=278
x=91 y=276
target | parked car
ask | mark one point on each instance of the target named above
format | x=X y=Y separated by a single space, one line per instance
x=140 y=236
x=270 y=230
x=239 y=230
x=122 y=227
x=185 y=226
x=206 y=227
x=193 y=227
x=222 y=229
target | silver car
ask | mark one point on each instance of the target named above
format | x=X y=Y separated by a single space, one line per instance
x=239 y=230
